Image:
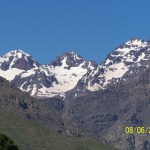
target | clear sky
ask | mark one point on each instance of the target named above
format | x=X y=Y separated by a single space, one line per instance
x=47 y=28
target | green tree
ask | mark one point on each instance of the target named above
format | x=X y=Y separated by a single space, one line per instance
x=6 y=143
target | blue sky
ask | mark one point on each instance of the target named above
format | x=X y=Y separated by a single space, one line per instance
x=47 y=28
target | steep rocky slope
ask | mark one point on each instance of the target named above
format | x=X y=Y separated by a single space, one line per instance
x=46 y=112
x=105 y=114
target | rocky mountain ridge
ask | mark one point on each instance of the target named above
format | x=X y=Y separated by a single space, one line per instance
x=71 y=72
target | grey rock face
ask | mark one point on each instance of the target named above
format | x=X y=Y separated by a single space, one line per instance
x=5 y=66
x=37 y=79
x=24 y=64
x=46 y=112
x=105 y=114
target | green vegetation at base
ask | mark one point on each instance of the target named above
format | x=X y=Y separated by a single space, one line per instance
x=31 y=136
x=6 y=143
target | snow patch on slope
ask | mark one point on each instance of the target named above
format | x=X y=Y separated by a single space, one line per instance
x=10 y=74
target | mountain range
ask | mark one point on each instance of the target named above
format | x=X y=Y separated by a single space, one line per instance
x=82 y=98
x=72 y=72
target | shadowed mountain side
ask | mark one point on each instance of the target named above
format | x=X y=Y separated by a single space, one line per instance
x=45 y=112
x=29 y=135
x=105 y=114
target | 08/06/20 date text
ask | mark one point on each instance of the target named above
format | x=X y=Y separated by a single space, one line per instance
x=137 y=130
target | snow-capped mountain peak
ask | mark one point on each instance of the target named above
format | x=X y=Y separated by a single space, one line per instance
x=16 y=54
x=15 y=62
x=17 y=59
x=68 y=60
x=73 y=55
x=135 y=42
x=121 y=61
